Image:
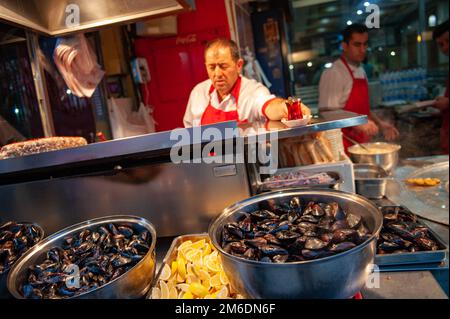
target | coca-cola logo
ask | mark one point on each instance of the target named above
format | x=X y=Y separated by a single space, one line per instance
x=191 y=38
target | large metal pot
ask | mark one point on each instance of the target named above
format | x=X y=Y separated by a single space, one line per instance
x=4 y=293
x=133 y=284
x=339 y=276
x=382 y=154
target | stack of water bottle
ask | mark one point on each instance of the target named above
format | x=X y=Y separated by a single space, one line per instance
x=404 y=86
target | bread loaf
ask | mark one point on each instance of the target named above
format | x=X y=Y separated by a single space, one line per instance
x=40 y=145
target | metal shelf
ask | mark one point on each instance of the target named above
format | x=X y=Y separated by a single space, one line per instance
x=324 y=122
x=105 y=155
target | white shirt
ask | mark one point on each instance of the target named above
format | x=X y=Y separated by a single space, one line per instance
x=336 y=85
x=253 y=96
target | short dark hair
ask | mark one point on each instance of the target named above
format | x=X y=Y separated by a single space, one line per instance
x=225 y=43
x=440 y=30
x=348 y=32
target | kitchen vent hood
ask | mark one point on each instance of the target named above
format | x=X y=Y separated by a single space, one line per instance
x=62 y=17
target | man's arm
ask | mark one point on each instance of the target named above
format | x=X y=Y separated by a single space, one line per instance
x=441 y=103
x=389 y=131
x=277 y=109
x=188 y=117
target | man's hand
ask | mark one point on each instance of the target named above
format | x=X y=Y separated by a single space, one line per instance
x=369 y=129
x=441 y=103
x=389 y=131
x=277 y=110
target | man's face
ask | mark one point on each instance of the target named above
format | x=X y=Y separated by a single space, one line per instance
x=442 y=42
x=223 y=71
x=356 y=49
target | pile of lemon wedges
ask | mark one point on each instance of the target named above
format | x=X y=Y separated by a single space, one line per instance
x=196 y=273
x=424 y=181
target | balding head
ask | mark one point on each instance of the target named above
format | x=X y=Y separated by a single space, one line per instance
x=224 y=43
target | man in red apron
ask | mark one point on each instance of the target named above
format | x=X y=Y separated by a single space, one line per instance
x=345 y=86
x=440 y=35
x=228 y=96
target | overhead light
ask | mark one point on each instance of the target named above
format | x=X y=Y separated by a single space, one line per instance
x=291 y=67
x=309 y=64
x=359 y=12
x=393 y=53
x=432 y=20
x=328 y=65
x=367 y=3
x=321 y=30
x=380 y=49
x=349 y=22
x=69 y=91
x=16 y=110
x=325 y=20
x=331 y=9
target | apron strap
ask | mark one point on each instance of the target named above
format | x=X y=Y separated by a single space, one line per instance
x=348 y=67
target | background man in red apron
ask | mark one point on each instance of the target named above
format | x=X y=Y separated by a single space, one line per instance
x=228 y=96
x=345 y=86
x=440 y=35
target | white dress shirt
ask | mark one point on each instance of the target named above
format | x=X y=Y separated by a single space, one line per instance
x=253 y=97
x=336 y=85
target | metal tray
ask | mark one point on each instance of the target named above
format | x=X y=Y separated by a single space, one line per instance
x=172 y=254
x=277 y=185
x=422 y=257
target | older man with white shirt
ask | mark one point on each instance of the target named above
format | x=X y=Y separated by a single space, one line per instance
x=345 y=86
x=228 y=96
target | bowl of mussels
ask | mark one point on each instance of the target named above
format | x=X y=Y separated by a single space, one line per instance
x=298 y=244
x=105 y=258
x=15 y=239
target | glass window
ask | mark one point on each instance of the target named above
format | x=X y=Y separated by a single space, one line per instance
x=19 y=109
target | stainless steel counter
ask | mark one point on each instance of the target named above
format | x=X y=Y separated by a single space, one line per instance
x=151 y=145
x=417 y=281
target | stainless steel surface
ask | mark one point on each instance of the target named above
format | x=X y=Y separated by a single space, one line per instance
x=132 y=284
x=436 y=197
x=326 y=121
x=143 y=146
x=388 y=159
x=153 y=144
x=404 y=285
x=178 y=199
x=50 y=16
x=370 y=180
x=338 y=276
x=343 y=168
x=4 y=293
x=398 y=193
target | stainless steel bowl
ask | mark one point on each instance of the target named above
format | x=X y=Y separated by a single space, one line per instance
x=339 y=276
x=4 y=293
x=133 y=284
x=385 y=155
x=370 y=180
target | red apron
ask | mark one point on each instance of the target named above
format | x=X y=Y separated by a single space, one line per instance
x=358 y=102
x=213 y=115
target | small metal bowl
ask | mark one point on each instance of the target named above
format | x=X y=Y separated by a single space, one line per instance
x=370 y=180
x=4 y=293
x=385 y=155
x=133 y=284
